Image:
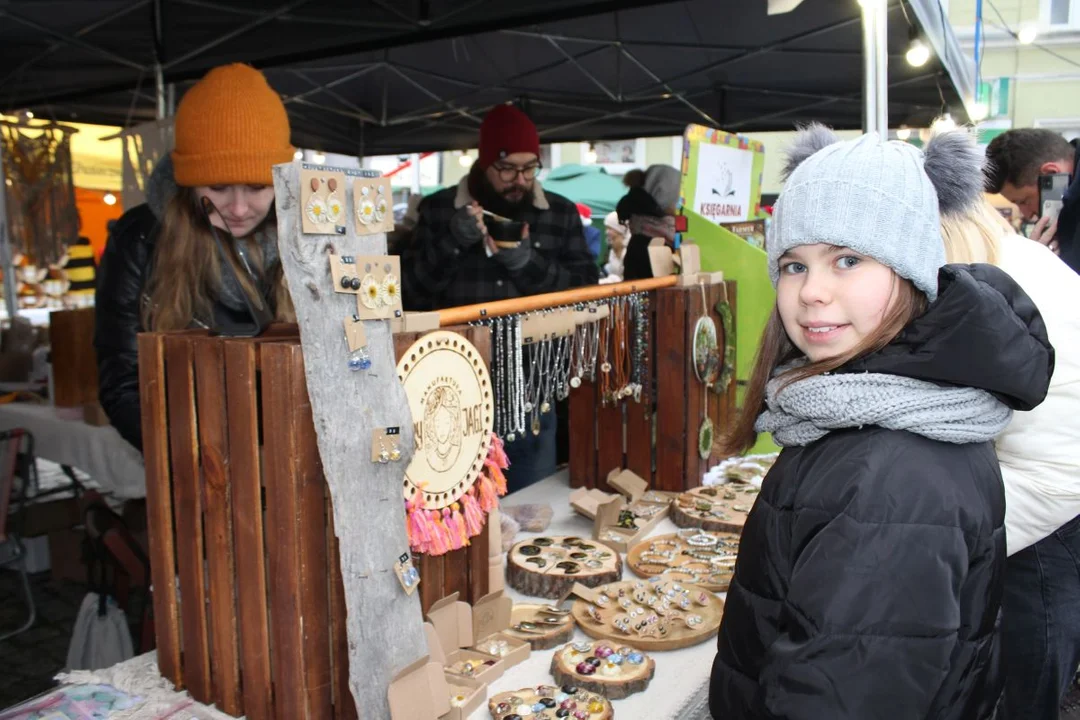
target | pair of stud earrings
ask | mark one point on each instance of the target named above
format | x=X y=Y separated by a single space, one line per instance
x=328 y=210
x=360 y=359
x=369 y=211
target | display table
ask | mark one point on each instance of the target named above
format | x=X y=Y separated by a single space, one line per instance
x=680 y=688
x=111 y=462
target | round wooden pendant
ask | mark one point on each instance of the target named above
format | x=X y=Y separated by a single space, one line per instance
x=450 y=400
x=719 y=508
x=706 y=351
x=549 y=566
x=547 y=700
x=542 y=626
x=690 y=557
x=609 y=669
x=651 y=615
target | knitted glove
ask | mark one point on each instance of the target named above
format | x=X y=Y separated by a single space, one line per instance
x=515 y=258
x=465 y=229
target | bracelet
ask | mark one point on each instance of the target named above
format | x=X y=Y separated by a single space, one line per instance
x=656 y=558
x=655 y=545
x=644 y=567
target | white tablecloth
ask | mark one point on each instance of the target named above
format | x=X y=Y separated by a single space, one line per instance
x=680 y=688
x=110 y=461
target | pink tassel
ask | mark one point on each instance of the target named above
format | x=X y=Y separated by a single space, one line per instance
x=453 y=532
x=474 y=516
x=485 y=488
x=497 y=452
x=419 y=526
x=440 y=542
x=495 y=474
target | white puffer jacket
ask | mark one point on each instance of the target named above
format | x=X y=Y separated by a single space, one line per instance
x=1040 y=450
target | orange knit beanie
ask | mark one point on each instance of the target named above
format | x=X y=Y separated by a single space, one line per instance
x=231 y=128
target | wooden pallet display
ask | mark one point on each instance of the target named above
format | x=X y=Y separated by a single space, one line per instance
x=603 y=438
x=238 y=510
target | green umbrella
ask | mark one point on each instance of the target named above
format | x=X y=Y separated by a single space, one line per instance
x=586 y=184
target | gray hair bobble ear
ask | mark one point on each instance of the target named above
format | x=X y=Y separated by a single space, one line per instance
x=954 y=164
x=808 y=140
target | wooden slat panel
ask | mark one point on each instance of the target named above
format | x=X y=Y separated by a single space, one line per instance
x=344 y=705
x=432 y=579
x=609 y=419
x=700 y=301
x=71 y=352
x=479 y=572
x=724 y=410
x=639 y=416
x=456 y=572
x=246 y=482
x=314 y=587
x=187 y=496
x=159 y=506
x=671 y=368
x=282 y=525
x=582 y=407
x=214 y=453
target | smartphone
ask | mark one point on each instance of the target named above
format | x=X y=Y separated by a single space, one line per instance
x=1051 y=191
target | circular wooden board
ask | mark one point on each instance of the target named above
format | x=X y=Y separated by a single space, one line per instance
x=550 y=630
x=503 y=707
x=676 y=545
x=678 y=634
x=719 y=508
x=549 y=566
x=614 y=677
x=450 y=400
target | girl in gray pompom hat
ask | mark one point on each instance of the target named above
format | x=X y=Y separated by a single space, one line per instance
x=869 y=576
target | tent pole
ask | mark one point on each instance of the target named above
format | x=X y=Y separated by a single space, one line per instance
x=875 y=15
x=162 y=104
x=6 y=259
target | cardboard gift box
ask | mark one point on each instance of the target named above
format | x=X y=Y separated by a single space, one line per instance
x=419 y=692
x=463 y=695
x=605 y=512
x=492 y=615
x=453 y=623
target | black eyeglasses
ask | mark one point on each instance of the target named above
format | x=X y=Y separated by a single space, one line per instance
x=257 y=307
x=509 y=173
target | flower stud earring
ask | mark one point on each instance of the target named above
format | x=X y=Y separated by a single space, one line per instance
x=333 y=203
x=316 y=209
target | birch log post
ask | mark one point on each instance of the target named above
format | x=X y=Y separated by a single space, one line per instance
x=384 y=625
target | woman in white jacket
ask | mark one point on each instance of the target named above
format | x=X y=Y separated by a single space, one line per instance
x=1040 y=465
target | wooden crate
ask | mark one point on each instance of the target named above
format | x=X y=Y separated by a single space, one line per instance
x=74 y=363
x=239 y=513
x=658 y=443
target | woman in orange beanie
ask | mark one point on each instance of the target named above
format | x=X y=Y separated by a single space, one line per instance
x=162 y=268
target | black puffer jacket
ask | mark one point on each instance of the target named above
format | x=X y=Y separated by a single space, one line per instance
x=868 y=584
x=125 y=267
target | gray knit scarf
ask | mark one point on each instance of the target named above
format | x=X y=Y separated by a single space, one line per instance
x=809 y=409
x=231 y=294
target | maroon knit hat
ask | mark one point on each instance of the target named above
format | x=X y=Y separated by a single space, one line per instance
x=505 y=131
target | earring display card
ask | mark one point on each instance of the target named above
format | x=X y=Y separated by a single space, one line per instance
x=344 y=274
x=379 y=297
x=406 y=573
x=385 y=440
x=373 y=205
x=354 y=333
x=322 y=199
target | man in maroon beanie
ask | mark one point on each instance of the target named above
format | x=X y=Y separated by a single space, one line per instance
x=452 y=259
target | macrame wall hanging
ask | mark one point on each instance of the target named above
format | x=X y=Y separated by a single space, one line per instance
x=42 y=215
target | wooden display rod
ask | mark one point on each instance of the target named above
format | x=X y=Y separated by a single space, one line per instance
x=471 y=313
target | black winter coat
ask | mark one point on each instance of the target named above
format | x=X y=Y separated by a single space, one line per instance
x=869 y=580
x=125 y=267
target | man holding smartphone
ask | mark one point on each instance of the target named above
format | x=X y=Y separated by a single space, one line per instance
x=1036 y=170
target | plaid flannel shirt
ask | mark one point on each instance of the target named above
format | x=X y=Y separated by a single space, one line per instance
x=437 y=272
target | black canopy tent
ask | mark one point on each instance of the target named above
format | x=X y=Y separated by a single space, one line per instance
x=386 y=76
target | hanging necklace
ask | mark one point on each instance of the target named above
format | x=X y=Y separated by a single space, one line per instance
x=518 y=370
x=706 y=366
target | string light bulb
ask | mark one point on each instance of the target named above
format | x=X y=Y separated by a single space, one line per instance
x=903 y=133
x=918 y=53
x=109 y=199
x=1027 y=34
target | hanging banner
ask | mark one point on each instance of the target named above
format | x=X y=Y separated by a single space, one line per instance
x=721 y=175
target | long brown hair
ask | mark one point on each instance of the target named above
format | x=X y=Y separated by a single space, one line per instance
x=776 y=349
x=186 y=275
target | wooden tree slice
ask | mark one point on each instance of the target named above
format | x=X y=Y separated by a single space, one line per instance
x=611 y=672
x=544 y=631
x=675 y=558
x=530 y=701
x=719 y=508
x=599 y=622
x=549 y=566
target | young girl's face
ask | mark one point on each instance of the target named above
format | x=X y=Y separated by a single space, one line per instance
x=830 y=298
